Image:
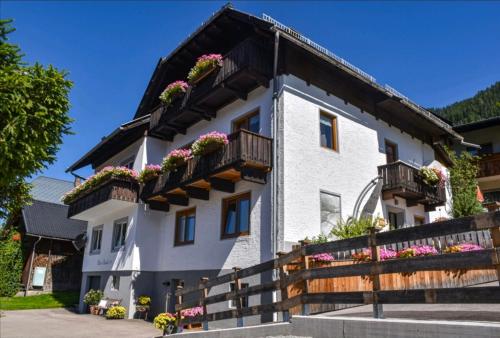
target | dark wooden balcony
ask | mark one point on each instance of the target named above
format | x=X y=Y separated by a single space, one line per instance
x=489 y=165
x=402 y=180
x=247 y=156
x=246 y=67
x=111 y=195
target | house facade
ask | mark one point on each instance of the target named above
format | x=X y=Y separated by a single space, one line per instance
x=312 y=139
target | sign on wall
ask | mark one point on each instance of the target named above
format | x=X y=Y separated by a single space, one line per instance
x=39 y=276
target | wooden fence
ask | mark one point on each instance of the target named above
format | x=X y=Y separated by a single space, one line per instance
x=297 y=273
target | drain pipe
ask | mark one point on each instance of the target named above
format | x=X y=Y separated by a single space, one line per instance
x=30 y=275
x=274 y=174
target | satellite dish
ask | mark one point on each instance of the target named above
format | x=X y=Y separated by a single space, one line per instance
x=80 y=241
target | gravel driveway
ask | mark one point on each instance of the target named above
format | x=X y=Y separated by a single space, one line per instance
x=55 y=323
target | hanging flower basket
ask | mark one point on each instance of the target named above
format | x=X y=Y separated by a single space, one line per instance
x=173 y=91
x=175 y=159
x=208 y=143
x=432 y=176
x=204 y=66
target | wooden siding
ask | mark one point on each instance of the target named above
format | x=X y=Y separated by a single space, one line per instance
x=489 y=165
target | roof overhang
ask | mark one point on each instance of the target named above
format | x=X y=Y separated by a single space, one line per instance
x=487 y=123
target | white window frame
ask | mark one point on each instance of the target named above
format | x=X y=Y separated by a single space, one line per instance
x=118 y=231
x=96 y=231
x=115 y=283
x=326 y=192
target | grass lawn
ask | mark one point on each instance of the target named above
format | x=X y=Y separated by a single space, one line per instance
x=45 y=301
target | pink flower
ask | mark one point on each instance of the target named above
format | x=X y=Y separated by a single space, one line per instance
x=323 y=257
x=217 y=58
x=182 y=85
x=192 y=312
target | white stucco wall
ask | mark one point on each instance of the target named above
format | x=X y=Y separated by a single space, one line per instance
x=309 y=168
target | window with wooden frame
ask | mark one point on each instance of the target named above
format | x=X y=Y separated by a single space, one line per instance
x=250 y=122
x=236 y=216
x=185 y=223
x=391 y=152
x=328 y=131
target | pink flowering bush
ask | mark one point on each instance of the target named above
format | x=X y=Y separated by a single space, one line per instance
x=149 y=172
x=464 y=247
x=175 y=159
x=323 y=257
x=172 y=91
x=417 y=250
x=208 y=143
x=204 y=64
x=97 y=179
x=366 y=255
x=192 y=312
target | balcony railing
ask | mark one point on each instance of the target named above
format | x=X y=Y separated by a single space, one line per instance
x=489 y=165
x=244 y=68
x=247 y=156
x=401 y=179
x=115 y=189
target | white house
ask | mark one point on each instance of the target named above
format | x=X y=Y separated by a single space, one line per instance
x=309 y=136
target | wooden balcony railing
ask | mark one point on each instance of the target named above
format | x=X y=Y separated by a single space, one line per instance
x=247 y=156
x=116 y=188
x=244 y=68
x=489 y=165
x=401 y=179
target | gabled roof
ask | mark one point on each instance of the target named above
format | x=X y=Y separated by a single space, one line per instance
x=50 y=220
x=486 y=123
x=48 y=189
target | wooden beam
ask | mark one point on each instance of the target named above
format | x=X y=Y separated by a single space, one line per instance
x=160 y=206
x=221 y=184
x=197 y=193
x=253 y=175
x=177 y=199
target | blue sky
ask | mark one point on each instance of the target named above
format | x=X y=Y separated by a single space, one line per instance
x=434 y=52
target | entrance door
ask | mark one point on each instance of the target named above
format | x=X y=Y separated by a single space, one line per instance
x=93 y=282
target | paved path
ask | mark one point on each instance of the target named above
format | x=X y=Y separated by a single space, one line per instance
x=59 y=323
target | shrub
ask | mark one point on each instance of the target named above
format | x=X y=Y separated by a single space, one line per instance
x=432 y=176
x=11 y=263
x=93 y=297
x=116 y=312
x=164 y=320
x=149 y=172
x=175 y=159
x=351 y=227
x=172 y=91
x=192 y=312
x=204 y=63
x=209 y=142
x=97 y=179
x=144 y=300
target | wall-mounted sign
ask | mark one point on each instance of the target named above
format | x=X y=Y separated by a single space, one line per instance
x=39 y=276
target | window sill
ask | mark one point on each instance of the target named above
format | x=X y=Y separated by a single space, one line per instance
x=183 y=243
x=240 y=234
x=94 y=253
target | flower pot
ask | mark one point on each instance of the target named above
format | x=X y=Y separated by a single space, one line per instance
x=205 y=74
x=169 y=329
x=210 y=148
x=93 y=309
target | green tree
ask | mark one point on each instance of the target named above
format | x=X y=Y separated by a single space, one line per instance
x=463 y=183
x=33 y=119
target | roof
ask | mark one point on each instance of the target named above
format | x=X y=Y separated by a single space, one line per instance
x=49 y=189
x=50 y=220
x=490 y=122
x=120 y=138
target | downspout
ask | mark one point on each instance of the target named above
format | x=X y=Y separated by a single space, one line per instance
x=30 y=275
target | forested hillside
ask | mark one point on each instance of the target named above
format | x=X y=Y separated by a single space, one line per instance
x=483 y=105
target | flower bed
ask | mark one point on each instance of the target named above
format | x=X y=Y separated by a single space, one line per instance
x=149 y=172
x=208 y=143
x=96 y=180
x=173 y=90
x=204 y=66
x=175 y=159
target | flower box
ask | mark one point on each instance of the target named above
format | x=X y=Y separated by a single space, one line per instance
x=209 y=143
x=204 y=66
x=173 y=91
x=176 y=158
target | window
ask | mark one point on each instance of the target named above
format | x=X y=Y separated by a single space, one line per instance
x=236 y=216
x=330 y=211
x=391 y=151
x=185 y=222
x=396 y=219
x=115 y=282
x=119 y=233
x=250 y=122
x=95 y=242
x=244 y=300
x=328 y=131
x=128 y=163
x=418 y=220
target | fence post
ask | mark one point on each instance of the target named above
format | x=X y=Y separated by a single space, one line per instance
x=204 y=294
x=378 y=310
x=238 y=300
x=283 y=288
x=495 y=238
x=180 y=328
x=305 y=287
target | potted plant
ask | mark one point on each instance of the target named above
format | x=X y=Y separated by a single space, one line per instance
x=116 y=312
x=166 y=322
x=208 y=143
x=149 y=172
x=92 y=298
x=432 y=176
x=175 y=159
x=143 y=303
x=205 y=65
x=193 y=312
x=173 y=91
